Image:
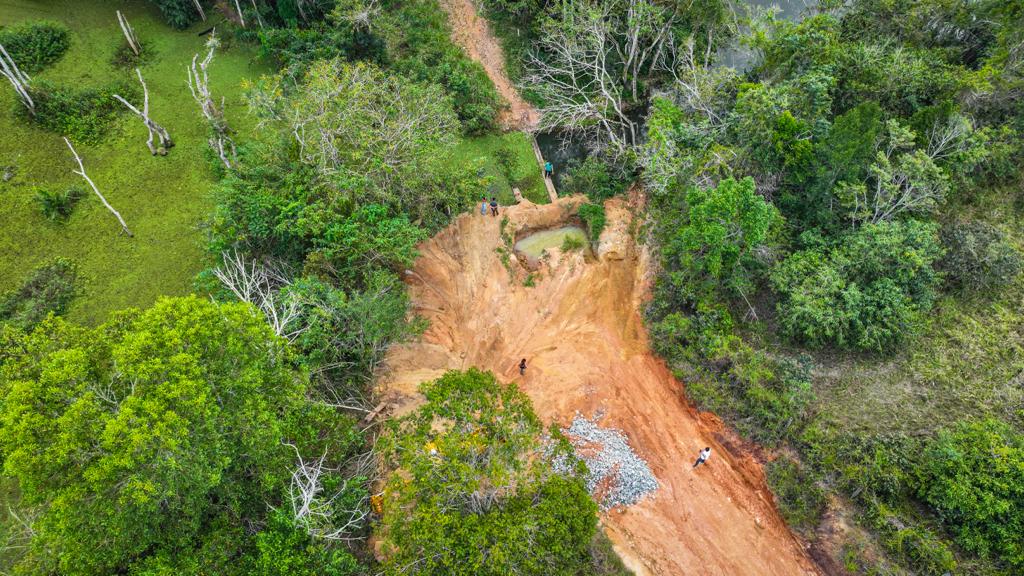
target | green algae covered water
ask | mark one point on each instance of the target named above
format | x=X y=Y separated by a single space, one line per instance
x=535 y=244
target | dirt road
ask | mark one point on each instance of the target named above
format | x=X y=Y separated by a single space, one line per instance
x=472 y=32
x=580 y=328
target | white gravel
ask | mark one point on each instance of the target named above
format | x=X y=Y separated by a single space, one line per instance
x=615 y=473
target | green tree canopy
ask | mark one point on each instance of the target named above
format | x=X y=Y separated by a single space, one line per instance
x=724 y=225
x=475 y=491
x=973 y=476
x=157 y=437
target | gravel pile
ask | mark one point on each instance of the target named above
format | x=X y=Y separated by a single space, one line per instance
x=617 y=476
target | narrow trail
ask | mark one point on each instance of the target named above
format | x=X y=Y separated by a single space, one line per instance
x=472 y=32
x=581 y=330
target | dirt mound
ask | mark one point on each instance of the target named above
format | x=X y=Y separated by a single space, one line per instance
x=471 y=32
x=580 y=329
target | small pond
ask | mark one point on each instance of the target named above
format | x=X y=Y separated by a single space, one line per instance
x=535 y=244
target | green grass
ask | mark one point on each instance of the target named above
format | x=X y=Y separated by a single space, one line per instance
x=967 y=362
x=164 y=200
x=527 y=176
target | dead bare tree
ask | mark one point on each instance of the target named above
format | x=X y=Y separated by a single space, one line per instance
x=199 y=8
x=261 y=286
x=318 y=512
x=590 y=66
x=129 y=33
x=81 y=172
x=199 y=85
x=697 y=83
x=165 y=139
x=902 y=180
x=18 y=79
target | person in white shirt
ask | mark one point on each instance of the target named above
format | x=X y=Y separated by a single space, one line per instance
x=703 y=457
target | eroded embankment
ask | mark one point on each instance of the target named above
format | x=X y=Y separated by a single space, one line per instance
x=581 y=330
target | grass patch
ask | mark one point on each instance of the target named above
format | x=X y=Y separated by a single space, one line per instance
x=163 y=199
x=499 y=151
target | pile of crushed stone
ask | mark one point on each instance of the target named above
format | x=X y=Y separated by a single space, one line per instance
x=616 y=476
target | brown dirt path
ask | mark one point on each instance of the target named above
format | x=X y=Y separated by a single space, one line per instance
x=472 y=32
x=587 y=348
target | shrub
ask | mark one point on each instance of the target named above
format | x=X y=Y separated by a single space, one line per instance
x=508 y=162
x=58 y=205
x=915 y=545
x=84 y=115
x=125 y=57
x=978 y=257
x=425 y=52
x=866 y=292
x=973 y=477
x=35 y=45
x=594 y=217
x=49 y=288
x=800 y=500
x=178 y=13
x=595 y=178
x=571 y=244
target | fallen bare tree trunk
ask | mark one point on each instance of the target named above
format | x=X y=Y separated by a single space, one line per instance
x=165 y=139
x=17 y=78
x=81 y=172
x=129 y=33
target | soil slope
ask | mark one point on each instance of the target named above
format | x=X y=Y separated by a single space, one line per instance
x=471 y=32
x=581 y=331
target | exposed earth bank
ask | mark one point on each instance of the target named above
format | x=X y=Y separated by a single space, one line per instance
x=580 y=328
x=473 y=33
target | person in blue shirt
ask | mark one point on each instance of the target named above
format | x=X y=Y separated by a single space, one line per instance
x=548 y=170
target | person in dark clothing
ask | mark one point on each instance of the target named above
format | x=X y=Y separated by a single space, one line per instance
x=494 y=206
x=522 y=367
x=703 y=457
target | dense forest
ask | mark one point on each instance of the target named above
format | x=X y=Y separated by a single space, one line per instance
x=834 y=200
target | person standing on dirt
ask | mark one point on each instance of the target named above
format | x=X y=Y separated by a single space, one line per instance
x=549 y=170
x=703 y=457
x=522 y=367
x=483 y=205
x=494 y=206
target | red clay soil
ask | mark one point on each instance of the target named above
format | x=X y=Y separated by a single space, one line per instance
x=580 y=329
x=472 y=32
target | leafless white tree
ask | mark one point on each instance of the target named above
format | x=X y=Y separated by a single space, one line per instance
x=950 y=138
x=129 y=33
x=261 y=285
x=696 y=81
x=589 y=66
x=165 y=139
x=20 y=530
x=902 y=179
x=18 y=79
x=199 y=85
x=319 y=512
x=81 y=172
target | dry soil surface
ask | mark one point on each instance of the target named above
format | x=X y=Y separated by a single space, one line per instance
x=471 y=32
x=580 y=329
